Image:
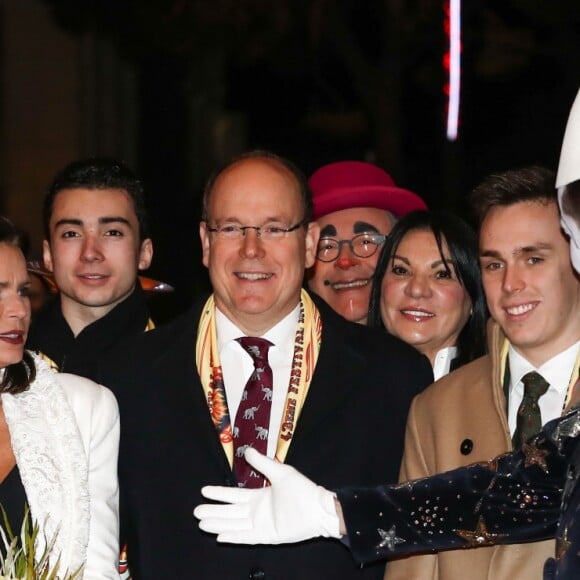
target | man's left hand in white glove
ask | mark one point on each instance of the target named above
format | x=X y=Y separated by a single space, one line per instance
x=291 y=509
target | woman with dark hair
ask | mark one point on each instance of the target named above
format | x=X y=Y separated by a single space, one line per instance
x=427 y=289
x=59 y=439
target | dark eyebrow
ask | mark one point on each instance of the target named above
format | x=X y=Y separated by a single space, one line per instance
x=361 y=227
x=446 y=263
x=103 y=221
x=402 y=258
x=490 y=254
x=68 y=222
x=520 y=250
x=113 y=220
x=433 y=265
x=328 y=231
x=357 y=228
x=532 y=249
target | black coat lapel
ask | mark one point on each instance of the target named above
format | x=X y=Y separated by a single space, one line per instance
x=333 y=380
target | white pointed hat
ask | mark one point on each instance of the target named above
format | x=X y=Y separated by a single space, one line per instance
x=569 y=166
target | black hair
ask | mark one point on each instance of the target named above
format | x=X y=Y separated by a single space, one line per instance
x=18 y=376
x=98 y=173
x=461 y=241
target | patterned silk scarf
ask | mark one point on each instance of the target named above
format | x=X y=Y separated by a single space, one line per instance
x=306 y=350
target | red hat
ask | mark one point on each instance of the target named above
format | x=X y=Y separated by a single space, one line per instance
x=349 y=184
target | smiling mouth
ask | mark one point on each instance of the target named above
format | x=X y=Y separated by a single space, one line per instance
x=520 y=309
x=16 y=337
x=93 y=276
x=418 y=315
x=253 y=276
x=350 y=285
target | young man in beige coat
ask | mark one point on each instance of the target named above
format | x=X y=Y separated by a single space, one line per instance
x=533 y=296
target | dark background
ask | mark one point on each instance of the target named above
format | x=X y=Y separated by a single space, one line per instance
x=325 y=80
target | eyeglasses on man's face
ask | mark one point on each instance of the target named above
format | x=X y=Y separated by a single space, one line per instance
x=362 y=245
x=267 y=232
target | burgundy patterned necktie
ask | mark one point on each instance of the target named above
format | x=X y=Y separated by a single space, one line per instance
x=253 y=416
x=529 y=418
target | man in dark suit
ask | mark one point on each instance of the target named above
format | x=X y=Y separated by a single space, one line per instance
x=339 y=393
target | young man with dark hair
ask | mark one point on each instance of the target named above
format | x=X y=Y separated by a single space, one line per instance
x=96 y=242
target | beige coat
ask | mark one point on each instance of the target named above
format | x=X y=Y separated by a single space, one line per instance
x=465 y=409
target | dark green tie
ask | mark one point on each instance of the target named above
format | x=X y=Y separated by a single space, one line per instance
x=529 y=419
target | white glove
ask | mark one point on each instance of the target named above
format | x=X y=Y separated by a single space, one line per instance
x=292 y=509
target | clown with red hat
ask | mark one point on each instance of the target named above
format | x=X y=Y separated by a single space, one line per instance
x=356 y=205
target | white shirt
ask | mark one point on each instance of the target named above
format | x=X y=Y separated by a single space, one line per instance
x=443 y=361
x=557 y=371
x=237 y=366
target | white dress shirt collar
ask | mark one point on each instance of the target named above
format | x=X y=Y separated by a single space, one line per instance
x=280 y=334
x=558 y=373
x=443 y=361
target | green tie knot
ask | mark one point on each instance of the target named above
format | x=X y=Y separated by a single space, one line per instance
x=535 y=385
